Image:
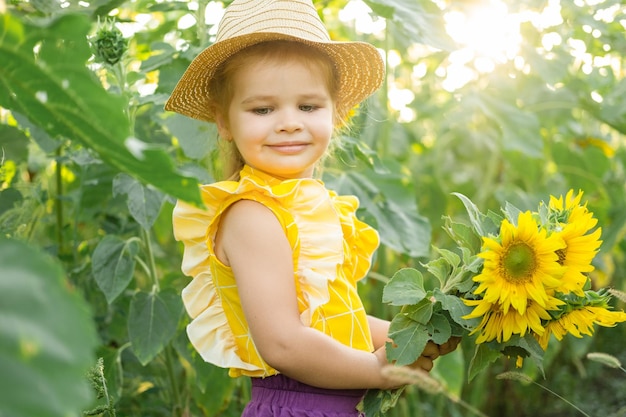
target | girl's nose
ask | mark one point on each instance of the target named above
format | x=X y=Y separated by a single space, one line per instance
x=289 y=121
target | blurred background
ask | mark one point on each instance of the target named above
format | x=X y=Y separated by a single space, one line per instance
x=502 y=101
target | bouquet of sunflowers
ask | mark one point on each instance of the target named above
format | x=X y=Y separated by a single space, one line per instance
x=518 y=279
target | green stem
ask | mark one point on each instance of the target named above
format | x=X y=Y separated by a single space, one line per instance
x=561 y=398
x=378 y=276
x=151 y=264
x=467 y=406
x=110 y=407
x=119 y=72
x=58 y=203
x=143 y=266
x=169 y=362
x=200 y=22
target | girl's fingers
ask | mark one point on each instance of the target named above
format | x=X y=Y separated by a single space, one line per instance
x=423 y=362
x=431 y=351
x=450 y=345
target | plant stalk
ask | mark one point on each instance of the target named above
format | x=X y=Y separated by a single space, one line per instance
x=150 y=255
x=58 y=203
x=200 y=22
x=169 y=363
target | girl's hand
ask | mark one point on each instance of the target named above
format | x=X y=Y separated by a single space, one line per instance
x=450 y=345
x=432 y=351
x=425 y=361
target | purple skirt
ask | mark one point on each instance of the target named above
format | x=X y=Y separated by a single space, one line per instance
x=280 y=396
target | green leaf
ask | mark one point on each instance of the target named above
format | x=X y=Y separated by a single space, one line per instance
x=55 y=90
x=483 y=356
x=47 y=337
x=152 y=322
x=113 y=265
x=9 y=198
x=13 y=144
x=405 y=287
x=440 y=268
x=144 y=203
x=377 y=402
x=410 y=338
x=452 y=258
x=352 y=149
x=477 y=219
x=195 y=138
x=519 y=128
x=511 y=212
x=457 y=309
x=526 y=347
x=463 y=235
x=439 y=328
x=420 y=21
x=421 y=312
x=391 y=208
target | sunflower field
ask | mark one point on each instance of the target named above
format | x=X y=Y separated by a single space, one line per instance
x=492 y=162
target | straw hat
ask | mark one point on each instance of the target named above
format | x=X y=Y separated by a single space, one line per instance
x=247 y=22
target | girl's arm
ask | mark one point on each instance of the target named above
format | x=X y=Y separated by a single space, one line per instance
x=253 y=243
x=379 y=329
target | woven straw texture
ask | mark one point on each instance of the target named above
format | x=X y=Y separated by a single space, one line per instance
x=247 y=22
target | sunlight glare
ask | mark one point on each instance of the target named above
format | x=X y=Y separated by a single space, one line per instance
x=361 y=14
x=214 y=13
x=488 y=35
x=489 y=31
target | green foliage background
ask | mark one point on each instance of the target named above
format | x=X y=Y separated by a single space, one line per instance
x=90 y=166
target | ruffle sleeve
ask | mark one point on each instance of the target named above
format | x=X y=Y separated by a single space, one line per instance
x=209 y=331
x=360 y=240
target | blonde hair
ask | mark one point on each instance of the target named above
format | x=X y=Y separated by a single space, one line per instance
x=221 y=87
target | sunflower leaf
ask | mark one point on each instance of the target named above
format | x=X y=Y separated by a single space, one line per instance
x=483 y=356
x=410 y=338
x=476 y=218
x=440 y=268
x=421 y=312
x=452 y=258
x=405 y=287
x=464 y=235
x=113 y=265
x=511 y=212
x=439 y=328
x=457 y=309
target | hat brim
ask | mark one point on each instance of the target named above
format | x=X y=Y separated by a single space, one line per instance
x=359 y=66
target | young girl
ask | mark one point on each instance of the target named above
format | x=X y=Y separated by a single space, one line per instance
x=275 y=256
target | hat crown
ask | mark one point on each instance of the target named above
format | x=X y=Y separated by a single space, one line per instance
x=297 y=18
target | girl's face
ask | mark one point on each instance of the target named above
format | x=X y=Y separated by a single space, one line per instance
x=280 y=117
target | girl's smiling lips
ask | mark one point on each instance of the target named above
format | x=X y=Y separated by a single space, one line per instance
x=289 y=147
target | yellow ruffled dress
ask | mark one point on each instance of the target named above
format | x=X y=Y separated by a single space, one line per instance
x=332 y=250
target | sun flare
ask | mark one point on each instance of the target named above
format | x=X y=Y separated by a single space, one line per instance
x=487 y=31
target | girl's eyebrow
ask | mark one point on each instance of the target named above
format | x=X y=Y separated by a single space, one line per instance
x=312 y=96
x=253 y=99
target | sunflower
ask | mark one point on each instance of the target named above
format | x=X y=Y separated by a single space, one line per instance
x=521 y=266
x=499 y=325
x=580 y=322
x=574 y=222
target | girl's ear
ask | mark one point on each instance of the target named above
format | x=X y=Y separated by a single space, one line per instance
x=222 y=127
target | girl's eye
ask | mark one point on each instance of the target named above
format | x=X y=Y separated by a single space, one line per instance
x=262 y=110
x=308 y=107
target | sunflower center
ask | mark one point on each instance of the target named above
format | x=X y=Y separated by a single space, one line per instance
x=519 y=262
x=562 y=254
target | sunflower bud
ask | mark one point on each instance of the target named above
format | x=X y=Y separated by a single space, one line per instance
x=109 y=44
